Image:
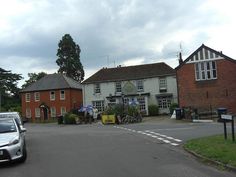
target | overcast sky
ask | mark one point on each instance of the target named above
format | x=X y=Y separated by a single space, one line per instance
x=112 y=32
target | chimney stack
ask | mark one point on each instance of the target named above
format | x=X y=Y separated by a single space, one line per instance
x=180 y=58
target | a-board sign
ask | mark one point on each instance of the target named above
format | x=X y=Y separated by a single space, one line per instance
x=226 y=117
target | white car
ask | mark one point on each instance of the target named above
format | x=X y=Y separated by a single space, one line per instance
x=12 y=141
x=14 y=115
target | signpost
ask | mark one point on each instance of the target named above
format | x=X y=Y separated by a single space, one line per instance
x=228 y=118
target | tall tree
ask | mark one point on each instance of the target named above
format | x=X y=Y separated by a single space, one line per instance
x=68 y=59
x=8 y=82
x=9 y=92
x=33 y=77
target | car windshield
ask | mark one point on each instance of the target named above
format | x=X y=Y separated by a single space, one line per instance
x=15 y=116
x=7 y=126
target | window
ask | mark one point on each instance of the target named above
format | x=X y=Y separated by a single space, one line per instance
x=53 y=111
x=162 y=85
x=36 y=96
x=139 y=84
x=142 y=105
x=164 y=103
x=62 y=95
x=99 y=105
x=97 y=88
x=118 y=87
x=27 y=97
x=37 y=112
x=28 y=113
x=63 y=111
x=52 y=95
x=205 y=70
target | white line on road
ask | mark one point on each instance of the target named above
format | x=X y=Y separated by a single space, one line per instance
x=155 y=135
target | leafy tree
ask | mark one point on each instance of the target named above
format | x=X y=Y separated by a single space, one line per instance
x=9 y=92
x=33 y=77
x=68 y=59
x=8 y=82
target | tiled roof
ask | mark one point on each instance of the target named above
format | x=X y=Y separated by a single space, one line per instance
x=53 y=82
x=131 y=73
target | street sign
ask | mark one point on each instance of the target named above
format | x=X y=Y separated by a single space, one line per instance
x=226 y=117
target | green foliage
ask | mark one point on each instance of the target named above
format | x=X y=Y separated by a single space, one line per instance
x=9 y=92
x=172 y=107
x=153 y=110
x=68 y=59
x=8 y=83
x=132 y=110
x=33 y=77
x=115 y=109
x=70 y=118
x=215 y=148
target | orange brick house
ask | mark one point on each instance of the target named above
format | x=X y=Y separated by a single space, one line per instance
x=206 y=81
x=52 y=95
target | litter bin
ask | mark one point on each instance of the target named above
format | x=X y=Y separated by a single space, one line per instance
x=60 y=119
x=178 y=113
x=221 y=111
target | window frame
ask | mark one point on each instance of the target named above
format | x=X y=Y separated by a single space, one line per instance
x=63 y=110
x=62 y=96
x=53 y=112
x=28 y=113
x=140 y=85
x=163 y=84
x=97 y=88
x=37 y=113
x=27 y=97
x=36 y=96
x=118 y=87
x=52 y=98
x=100 y=107
x=206 y=70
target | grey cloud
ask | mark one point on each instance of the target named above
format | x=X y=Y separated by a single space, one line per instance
x=119 y=29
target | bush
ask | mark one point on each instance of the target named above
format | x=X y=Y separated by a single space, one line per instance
x=115 y=109
x=153 y=110
x=70 y=118
x=172 y=107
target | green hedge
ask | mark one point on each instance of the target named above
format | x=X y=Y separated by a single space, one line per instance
x=70 y=118
x=153 y=110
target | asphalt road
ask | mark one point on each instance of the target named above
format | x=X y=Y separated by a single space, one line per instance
x=149 y=149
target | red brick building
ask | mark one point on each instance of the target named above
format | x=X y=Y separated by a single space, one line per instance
x=206 y=80
x=52 y=95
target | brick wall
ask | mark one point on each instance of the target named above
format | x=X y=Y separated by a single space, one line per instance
x=73 y=99
x=205 y=95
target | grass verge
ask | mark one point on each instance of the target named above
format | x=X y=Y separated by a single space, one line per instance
x=214 y=148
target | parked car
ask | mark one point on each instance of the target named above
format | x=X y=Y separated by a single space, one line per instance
x=14 y=115
x=12 y=141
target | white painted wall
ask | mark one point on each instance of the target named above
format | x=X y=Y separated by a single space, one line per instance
x=151 y=85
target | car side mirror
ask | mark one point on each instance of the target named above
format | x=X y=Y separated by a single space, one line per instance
x=23 y=130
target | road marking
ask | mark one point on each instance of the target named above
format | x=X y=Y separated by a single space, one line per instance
x=164 y=138
x=168 y=137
